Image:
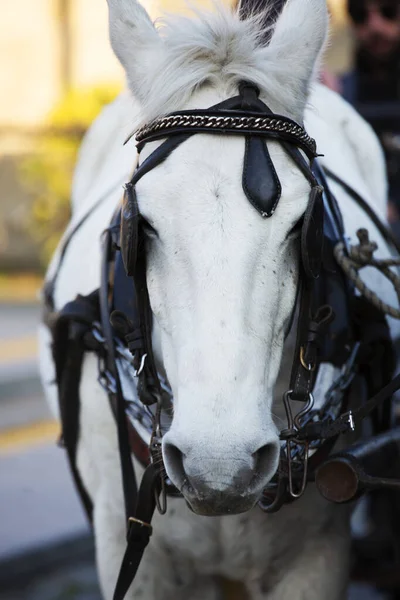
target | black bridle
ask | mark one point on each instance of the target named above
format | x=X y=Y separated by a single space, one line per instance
x=245 y=115
x=321 y=336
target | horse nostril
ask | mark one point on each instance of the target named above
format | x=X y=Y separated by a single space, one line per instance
x=265 y=462
x=244 y=474
x=173 y=461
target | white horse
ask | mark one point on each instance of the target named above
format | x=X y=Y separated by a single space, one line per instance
x=222 y=284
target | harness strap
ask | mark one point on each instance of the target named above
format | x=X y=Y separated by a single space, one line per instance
x=149 y=383
x=305 y=363
x=139 y=531
x=127 y=469
x=348 y=421
x=70 y=329
x=50 y=284
x=69 y=402
x=139 y=504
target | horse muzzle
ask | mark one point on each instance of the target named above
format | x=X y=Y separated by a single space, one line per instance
x=214 y=485
x=212 y=503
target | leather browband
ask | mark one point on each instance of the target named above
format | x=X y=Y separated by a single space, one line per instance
x=229 y=122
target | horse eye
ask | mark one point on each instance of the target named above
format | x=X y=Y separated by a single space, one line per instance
x=296 y=229
x=148 y=229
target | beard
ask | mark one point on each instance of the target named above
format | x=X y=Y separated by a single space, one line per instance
x=380 y=47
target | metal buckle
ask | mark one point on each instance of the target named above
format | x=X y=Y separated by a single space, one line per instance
x=142 y=523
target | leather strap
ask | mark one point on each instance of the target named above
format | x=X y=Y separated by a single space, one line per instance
x=50 y=284
x=260 y=180
x=303 y=374
x=312 y=234
x=139 y=504
x=130 y=218
x=139 y=531
x=127 y=470
x=348 y=421
x=69 y=331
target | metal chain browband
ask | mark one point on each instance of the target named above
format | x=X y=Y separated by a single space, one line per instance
x=230 y=122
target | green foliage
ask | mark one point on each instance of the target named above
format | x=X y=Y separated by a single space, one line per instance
x=47 y=173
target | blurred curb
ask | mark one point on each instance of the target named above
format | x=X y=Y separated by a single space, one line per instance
x=25 y=567
x=20 y=288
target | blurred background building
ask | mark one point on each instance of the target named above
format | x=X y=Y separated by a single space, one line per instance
x=49 y=48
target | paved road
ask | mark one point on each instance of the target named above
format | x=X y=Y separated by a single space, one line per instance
x=38 y=504
x=39 y=509
x=18 y=320
x=18 y=325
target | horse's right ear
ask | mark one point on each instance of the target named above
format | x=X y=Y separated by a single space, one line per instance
x=135 y=42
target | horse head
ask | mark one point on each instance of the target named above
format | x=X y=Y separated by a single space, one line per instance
x=222 y=280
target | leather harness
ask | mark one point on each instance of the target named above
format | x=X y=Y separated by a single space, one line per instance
x=330 y=328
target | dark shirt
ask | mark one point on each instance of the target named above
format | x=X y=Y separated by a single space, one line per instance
x=374 y=90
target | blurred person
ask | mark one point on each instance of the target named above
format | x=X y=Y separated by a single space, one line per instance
x=373 y=86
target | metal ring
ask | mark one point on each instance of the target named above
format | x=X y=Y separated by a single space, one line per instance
x=308 y=367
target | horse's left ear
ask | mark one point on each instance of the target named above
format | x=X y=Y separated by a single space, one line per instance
x=135 y=42
x=297 y=43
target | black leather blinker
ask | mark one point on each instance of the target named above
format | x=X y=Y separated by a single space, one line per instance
x=129 y=229
x=260 y=180
x=312 y=233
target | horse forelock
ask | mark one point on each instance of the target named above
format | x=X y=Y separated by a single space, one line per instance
x=220 y=48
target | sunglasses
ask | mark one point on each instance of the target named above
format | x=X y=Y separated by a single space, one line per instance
x=360 y=14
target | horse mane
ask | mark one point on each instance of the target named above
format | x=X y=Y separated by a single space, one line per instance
x=219 y=48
